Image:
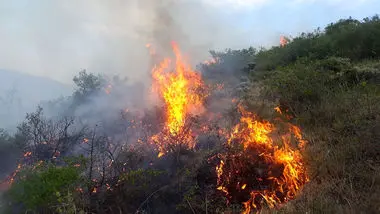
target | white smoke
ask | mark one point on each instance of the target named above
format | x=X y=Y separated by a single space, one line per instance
x=59 y=38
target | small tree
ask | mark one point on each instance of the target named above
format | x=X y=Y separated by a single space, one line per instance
x=87 y=84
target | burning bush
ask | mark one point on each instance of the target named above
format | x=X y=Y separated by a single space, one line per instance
x=254 y=170
x=182 y=91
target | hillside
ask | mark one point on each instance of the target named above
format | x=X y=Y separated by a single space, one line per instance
x=290 y=129
x=329 y=83
x=21 y=93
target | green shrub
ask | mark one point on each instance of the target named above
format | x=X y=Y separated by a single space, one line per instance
x=41 y=187
x=347 y=38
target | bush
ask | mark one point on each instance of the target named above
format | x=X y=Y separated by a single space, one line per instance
x=347 y=38
x=41 y=188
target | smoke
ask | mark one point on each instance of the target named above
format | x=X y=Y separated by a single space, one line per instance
x=57 y=39
x=194 y=25
x=190 y=23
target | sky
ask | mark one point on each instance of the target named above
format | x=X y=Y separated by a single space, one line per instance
x=57 y=39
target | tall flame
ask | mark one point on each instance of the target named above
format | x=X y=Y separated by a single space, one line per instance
x=180 y=87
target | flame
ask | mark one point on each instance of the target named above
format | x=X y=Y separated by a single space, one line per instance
x=260 y=163
x=297 y=132
x=219 y=86
x=179 y=86
x=108 y=89
x=27 y=154
x=278 y=109
x=283 y=41
x=243 y=187
x=178 y=89
x=160 y=154
x=211 y=61
x=12 y=176
x=108 y=187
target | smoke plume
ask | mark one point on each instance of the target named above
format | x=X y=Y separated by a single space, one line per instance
x=58 y=39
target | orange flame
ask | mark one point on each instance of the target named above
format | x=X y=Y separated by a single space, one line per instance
x=108 y=89
x=278 y=109
x=213 y=60
x=79 y=190
x=283 y=41
x=280 y=169
x=180 y=88
x=27 y=154
x=243 y=187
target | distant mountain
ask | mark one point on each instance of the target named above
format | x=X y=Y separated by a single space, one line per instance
x=21 y=93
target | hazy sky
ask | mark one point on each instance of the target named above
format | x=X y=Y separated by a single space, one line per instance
x=57 y=38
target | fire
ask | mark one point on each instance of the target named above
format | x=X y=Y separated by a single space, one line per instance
x=243 y=187
x=271 y=174
x=14 y=174
x=79 y=190
x=27 y=154
x=283 y=41
x=257 y=169
x=181 y=89
x=108 y=89
x=213 y=60
x=278 y=109
x=297 y=132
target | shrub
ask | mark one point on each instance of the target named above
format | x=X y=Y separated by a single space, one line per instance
x=40 y=188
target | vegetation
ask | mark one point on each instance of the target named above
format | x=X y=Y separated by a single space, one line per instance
x=44 y=186
x=327 y=82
